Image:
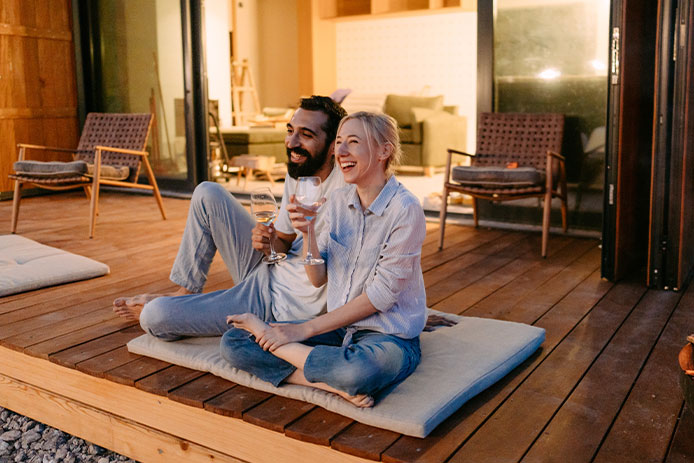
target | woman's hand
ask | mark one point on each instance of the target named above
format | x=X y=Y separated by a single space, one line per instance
x=298 y=214
x=280 y=334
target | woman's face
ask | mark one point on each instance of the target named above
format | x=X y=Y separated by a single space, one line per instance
x=358 y=163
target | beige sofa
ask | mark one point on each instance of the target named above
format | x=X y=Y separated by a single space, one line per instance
x=427 y=130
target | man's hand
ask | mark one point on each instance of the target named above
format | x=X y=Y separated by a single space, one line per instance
x=261 y=236
x=280 y=334
x=435 y=321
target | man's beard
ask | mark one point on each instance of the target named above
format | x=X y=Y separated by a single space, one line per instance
x=310 y=166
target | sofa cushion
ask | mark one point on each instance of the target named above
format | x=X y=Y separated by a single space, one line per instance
x=495 y=177
x=400 y=106
x=53 y=169
x=372 y=102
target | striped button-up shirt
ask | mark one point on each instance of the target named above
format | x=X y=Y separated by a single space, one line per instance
x=377 y=251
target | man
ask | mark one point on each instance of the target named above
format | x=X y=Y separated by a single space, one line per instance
x=217 y=222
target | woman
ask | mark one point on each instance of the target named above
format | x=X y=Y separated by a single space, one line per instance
x=374 y=229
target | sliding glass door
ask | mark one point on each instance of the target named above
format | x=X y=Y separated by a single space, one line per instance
x=138 y=56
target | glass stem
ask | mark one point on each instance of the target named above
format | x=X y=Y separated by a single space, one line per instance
x=309 y=256
x=273 y=254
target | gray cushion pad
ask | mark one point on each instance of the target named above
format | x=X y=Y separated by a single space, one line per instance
x=27 y=265
x=496 y=177
x=50 y=168
x=458 y=362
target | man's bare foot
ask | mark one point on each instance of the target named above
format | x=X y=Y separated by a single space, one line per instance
x=248 y=322
x=130 y=308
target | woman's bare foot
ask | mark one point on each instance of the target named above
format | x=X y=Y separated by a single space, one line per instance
x=130 y=308
x=248 y=322
x=360 y=400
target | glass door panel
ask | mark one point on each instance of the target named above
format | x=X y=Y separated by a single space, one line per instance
x=139 y=68
x=551 y=56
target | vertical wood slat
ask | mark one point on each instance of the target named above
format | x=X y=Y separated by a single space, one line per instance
x=38 y=70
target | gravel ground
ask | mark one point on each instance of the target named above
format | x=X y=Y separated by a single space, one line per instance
x=25 y=440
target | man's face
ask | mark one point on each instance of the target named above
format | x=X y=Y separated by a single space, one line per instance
x=307 y=146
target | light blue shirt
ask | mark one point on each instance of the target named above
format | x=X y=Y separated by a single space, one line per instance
x=377 y=251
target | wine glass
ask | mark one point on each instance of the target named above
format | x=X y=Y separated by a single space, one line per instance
x=308 y=194
x=264 y=209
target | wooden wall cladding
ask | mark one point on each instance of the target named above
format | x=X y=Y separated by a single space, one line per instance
x=38 y=90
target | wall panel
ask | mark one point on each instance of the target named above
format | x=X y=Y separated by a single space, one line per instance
x=38 y=92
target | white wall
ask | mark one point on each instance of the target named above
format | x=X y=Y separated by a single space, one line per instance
x=432 y=54
x=217 y=52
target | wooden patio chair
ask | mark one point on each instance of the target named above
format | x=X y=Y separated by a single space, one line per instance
x=111 y=151
x=517 y=157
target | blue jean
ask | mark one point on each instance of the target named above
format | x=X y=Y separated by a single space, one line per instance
x=370 y=363
x=216 y=222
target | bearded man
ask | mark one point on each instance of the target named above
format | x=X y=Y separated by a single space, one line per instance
x=218 y=222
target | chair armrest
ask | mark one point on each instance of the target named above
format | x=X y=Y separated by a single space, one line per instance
x=452 y=151
x=549 y=174
x=556 y=155
x=45 y=148
x=120 y=150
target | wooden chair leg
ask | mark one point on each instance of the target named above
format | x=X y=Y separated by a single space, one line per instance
x=545 y=222
x=95 y=193
x=475 y=217
x=15 y=204
x=442 y=216
x=564 y=222
x=153 y=182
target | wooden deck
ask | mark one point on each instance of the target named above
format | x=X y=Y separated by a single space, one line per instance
x=603 y=387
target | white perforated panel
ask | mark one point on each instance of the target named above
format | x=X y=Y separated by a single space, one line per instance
x=433 y=54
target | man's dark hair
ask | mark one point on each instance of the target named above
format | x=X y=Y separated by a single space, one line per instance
x=333 y=110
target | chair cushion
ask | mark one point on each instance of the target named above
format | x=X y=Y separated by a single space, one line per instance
x=110 y=172
x=400 y=106
x=53 y=169
x=496 y=177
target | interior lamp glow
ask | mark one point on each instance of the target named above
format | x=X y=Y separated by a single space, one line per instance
x=598 y=65
x=549 y=73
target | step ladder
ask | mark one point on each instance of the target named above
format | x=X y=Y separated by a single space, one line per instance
x=242 y=86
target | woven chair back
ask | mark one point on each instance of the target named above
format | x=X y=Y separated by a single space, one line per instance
x=524 y=138
x=129 y=131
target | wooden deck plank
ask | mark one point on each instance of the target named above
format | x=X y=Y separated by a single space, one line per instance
x=319 y=426
x=100 y=364
x=589 y=414
x=558 y=323
x=200 y=390
x=682 y=447
x=655 y=400
x=539 y=398
x=236 y=401
x=190 y=424
x=364 y=441
x=168 y=379
x=277 y=412
x=72 y=356
x=462 y=242
x=135 y=370
x=523 y=268
x=529 y=305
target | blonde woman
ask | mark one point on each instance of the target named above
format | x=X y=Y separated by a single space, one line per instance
x=368 y=340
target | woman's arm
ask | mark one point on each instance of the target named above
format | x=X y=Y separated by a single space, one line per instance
x=357 y=309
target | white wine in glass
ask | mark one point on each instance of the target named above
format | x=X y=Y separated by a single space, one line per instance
x=264 y=209
x=308 y=194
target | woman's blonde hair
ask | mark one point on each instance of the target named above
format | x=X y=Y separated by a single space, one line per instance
x=380 y=129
